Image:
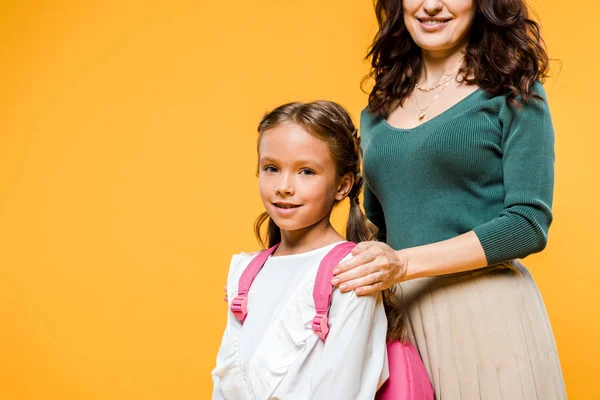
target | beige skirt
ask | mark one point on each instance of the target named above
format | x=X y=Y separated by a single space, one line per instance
x=484 y=334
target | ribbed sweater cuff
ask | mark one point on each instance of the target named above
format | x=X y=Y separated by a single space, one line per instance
x=506 y=238
x=493 y=241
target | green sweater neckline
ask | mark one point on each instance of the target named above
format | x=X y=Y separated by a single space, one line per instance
x=443 y=117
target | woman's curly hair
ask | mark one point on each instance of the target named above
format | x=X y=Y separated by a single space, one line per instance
x=505 y=55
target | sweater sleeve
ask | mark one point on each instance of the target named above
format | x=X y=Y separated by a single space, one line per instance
x=374 y=212
x=528 y=168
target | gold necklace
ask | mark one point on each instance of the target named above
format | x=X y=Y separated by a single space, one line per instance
x=435 y=86
x=421 y=114
x=445 y=81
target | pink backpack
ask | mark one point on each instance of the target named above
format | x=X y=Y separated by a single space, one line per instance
x=408 y=378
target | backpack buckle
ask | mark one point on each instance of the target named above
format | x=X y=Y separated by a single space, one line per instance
x=239 y=307
x=319 y=325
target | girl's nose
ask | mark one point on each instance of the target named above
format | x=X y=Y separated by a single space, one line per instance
x=284 y=186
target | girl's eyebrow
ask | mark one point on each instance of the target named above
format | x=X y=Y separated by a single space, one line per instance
x=267 y=159
x=300 y=161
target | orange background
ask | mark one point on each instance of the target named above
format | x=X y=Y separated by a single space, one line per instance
x=127 y=131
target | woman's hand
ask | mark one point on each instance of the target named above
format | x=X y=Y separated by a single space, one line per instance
x=225 y=299
x=375 y=266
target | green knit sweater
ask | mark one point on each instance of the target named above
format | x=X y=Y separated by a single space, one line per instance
x=482 y=165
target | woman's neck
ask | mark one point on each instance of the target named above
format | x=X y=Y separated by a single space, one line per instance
x=438 y=66
x=310 y=238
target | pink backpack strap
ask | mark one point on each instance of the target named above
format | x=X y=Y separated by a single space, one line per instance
x=239 y=305
x=323 y=289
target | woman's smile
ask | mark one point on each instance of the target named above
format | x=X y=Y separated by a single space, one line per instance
x=429 y=24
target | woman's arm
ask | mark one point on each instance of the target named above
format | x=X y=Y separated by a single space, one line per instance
x=380 y=266
x=354 y=360
x=376 y=266
x=519 y=230
x=528 y=173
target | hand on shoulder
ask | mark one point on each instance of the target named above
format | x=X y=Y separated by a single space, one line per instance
x=374 y=266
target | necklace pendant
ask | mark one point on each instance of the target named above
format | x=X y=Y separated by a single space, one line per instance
x=421 y=115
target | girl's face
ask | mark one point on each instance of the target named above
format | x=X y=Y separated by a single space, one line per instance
x=439 y=25
x=297 y=178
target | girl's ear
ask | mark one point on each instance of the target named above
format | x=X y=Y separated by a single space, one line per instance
x=345 y=186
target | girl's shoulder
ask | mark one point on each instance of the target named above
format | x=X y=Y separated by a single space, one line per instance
x=238 y=264
x=245 y=255
x=241 y=260
x=309 y=261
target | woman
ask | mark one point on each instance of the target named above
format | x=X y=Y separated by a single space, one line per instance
x=459 y=163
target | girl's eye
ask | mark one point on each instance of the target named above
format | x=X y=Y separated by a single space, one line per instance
x=307 y=171
x=270 y=168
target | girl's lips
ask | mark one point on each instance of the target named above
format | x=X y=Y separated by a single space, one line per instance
x=285 y=209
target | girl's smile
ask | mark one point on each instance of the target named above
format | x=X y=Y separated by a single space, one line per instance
x=286 y=208
x=297 y=178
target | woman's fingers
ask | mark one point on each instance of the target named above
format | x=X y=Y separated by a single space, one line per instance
x=369 y=289
x=360 y=259
x=362 y=247
x=344 y=279
x=366 y=251
x=373 y=252
x=225 y=299
x=359 y=283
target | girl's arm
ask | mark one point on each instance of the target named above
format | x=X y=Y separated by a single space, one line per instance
x=354 y=360
x=235 y=268
x=217 y=394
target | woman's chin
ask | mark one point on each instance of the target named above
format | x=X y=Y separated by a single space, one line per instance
x=438 y=45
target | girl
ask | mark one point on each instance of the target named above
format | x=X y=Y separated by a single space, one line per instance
x=309 y=160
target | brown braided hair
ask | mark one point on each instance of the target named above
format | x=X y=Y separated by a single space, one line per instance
x=330 y=122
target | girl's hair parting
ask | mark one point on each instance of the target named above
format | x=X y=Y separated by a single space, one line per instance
x=330 y=122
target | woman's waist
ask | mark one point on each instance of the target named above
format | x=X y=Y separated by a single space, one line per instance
x=506 y=277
